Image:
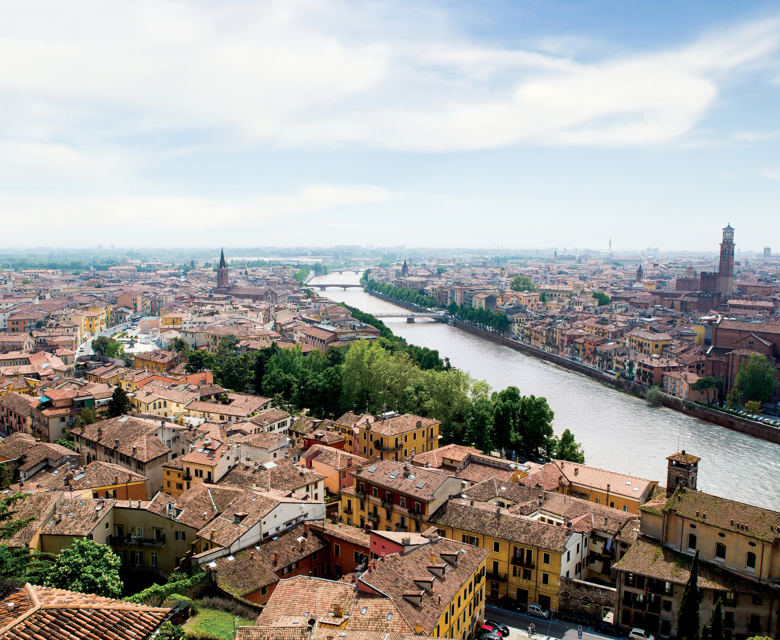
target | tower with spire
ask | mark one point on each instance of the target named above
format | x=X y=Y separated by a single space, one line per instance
x=222 y=274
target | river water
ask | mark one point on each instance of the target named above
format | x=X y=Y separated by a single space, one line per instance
x=617 y=432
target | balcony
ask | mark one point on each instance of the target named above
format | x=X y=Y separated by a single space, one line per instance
x=158 y=541
x=360 y=494
x=389 y=448
x=520 y=562
x=495 y=577
x=387 y=504
x=416 y=515
x=401 y=528
x=347 y=510
x=373 y=517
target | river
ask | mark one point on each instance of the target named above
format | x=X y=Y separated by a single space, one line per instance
x=617 y=432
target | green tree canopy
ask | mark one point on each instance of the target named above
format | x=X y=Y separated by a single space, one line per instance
x=756 y=378
x=522 y=283
x=653 y=396
x=569 y=450
x=603 y=298
x=119 y=404
x=87 y=567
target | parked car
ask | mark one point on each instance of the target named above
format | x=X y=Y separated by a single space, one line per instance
x=608 y=629
x=486 y=632
x=510 y=604
x=499 y=628
x=640 y=634
x=535 y=609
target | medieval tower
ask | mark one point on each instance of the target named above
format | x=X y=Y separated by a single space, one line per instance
x=222 y=273
x=726 y=269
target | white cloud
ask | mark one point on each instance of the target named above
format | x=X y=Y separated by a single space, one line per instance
x=300 y=73
x=772 y=174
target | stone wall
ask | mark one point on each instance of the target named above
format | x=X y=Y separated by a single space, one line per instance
x=585 y=598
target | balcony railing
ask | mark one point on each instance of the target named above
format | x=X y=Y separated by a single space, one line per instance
x=390 y=448
x=416 y=515
x=496 y=577
x=347 y=510
x=360 y=494
x=520 y=562
x=373 y=517
x=387 y=504
x=158 y=541
x=400 y=528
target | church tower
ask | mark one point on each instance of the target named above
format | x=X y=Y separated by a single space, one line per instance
x=726 y=268
x=640 y=274
x=222 y=273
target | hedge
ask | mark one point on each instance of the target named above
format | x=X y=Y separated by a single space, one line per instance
x=158 y=593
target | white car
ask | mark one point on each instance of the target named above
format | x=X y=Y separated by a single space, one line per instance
x=640 y=634
x=537 y=610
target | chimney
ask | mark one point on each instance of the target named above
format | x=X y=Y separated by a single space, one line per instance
x=251 y=555
x=135 y=449
x=276 y=557
x=116 y=443
x=100 y=433
x=303 y=544
x=213 y=535
x=116 y=479
x=576 y=470
x=306 y=529
x=433 y=558
x=338 y=611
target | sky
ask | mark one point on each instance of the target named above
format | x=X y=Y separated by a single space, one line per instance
x=512 y=124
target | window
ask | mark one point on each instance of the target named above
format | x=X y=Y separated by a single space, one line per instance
x=180 y=535
x=568 y=557
x=154 y=558
x=527 y=574
x=750 y=561
x=336 y=550
x=598 y=500
x=728 y=619
x=720 y=551
x=546 y=558
x=625 y=507
x=497 y=547
x=545 y=578
x=691 y=541
x=402 y=501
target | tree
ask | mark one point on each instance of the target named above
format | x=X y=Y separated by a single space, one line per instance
x=733 y=398
x=119 y=404
x=479 y=430
x=568 y=449
x=753 y=406
x=180 y=345
x=603 y=298
x=653 y=396
x=506 y=414
x=688 y=614
x=716 y=626
x=756 y=378
x=536 y=425
x=87 y=567
x=100 y=344
x=522 y=283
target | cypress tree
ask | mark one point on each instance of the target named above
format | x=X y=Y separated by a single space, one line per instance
x=716 y=626
x=705 y=632
x=119 y=404
x=688 y=615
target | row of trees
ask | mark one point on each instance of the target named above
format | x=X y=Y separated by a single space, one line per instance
x=404 y=295
x=483 y=318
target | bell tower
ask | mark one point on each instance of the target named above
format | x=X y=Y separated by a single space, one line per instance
x=726 y=266
x=222 y=273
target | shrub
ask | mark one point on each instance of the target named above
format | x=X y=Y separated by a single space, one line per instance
x=653 y=396
x=158 y=593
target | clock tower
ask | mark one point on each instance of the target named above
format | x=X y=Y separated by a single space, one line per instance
x=726 y=267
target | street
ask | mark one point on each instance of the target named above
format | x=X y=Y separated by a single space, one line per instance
x=518 y=624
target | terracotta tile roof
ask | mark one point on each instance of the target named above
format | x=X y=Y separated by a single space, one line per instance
x=226 y=528
x=348 y=533
x=76 y=517
x=198 y=505
x=552 y=474
x=282 y=474
x=417 y=482
x=435 y=458
x=335 y=458
x=394 y=576
x=19 y=403
x=257 y=567
x=300 y=632
x=269 y=416
x=401 y=424
x=39 y=506
x=729 y=515
x=652 y=560
x=130 y=432
x=488 y=520
x=42 y=613
x=95 y=475
x=308 y=597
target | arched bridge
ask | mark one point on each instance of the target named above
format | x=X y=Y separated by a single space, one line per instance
x=412 y=316
x=324 y=286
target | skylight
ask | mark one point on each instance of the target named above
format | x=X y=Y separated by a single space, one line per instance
x=420 y=484
x=372 y=468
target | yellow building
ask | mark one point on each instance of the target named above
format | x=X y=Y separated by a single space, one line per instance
x=415 y=581
x=173 y=482
x=647 y=342
x=172 y=320
x=395 y=438
x=526 y=557
x=393 y=496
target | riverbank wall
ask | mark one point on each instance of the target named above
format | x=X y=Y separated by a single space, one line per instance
x=398 y=303
x=720 y=418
